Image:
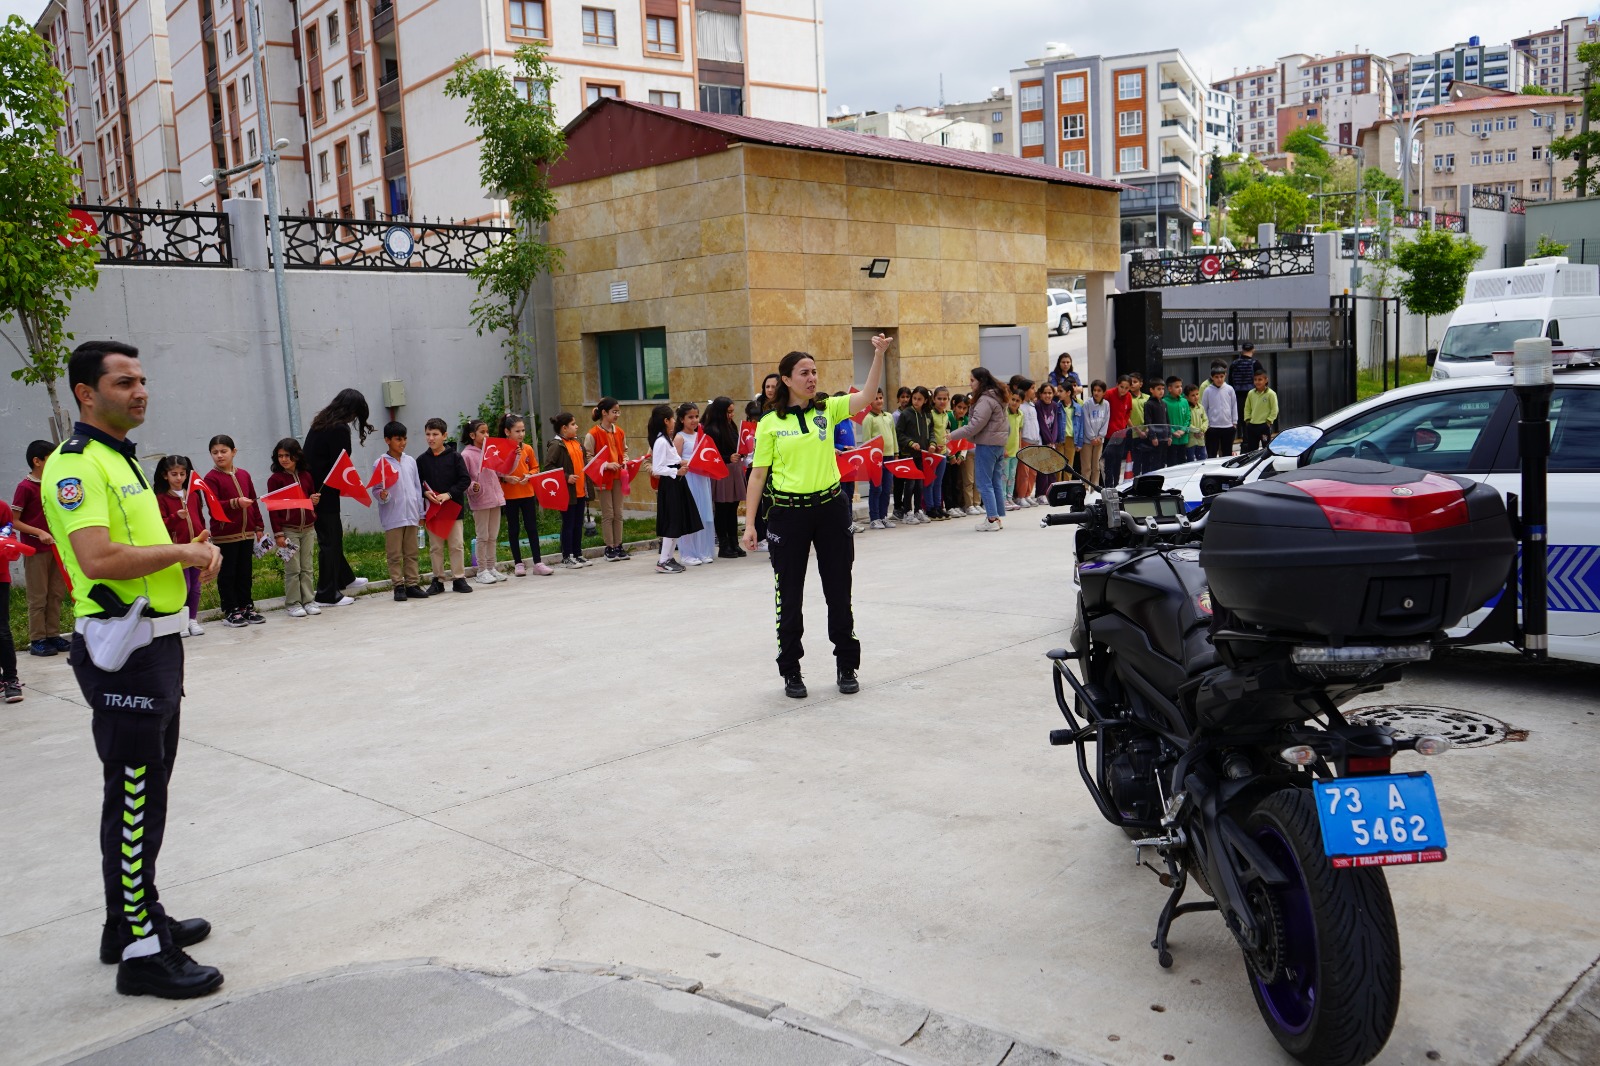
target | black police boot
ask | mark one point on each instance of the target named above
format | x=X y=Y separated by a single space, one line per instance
x=794 y=686
x=847 y=681
x=436 y=588
x=184 y=932
x=416 y=592
x=169 y=974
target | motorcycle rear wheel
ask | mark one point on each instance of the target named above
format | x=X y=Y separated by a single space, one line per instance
x=1337 y=986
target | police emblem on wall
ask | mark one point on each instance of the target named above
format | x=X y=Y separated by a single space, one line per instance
x=69 y=493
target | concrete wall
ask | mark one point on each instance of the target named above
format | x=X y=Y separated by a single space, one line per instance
x=208 y=340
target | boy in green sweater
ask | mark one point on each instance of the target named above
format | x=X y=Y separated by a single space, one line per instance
x=879 y=423
x=1178 y=415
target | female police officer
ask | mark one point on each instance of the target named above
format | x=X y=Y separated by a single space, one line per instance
x=794 y=465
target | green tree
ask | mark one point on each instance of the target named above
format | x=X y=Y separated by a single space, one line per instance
x=44 y=257
x=1273 y=199
x=1306 y=144
x=1534 y=90
x=1434 y=270
x=1584 y=144
x=1548 y=245
x=519 y=141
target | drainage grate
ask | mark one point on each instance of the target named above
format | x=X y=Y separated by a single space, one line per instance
x=1465 y=729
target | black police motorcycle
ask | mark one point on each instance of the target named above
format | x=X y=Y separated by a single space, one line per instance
x=1211 y=652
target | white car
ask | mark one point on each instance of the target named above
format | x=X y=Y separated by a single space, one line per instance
x=1468 y=427
x=1064 y=309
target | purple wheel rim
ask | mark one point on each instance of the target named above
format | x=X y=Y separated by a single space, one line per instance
x=1292 y=1001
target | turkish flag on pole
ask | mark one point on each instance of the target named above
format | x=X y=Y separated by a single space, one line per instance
x=441 y=517
x=706 y=459
x=861 y=414
x=289 y=498
x=904 y=469
x=959 y=445
x=930 y=465
x=344 y=479
x=500 y=455
x=595 y=470
x=198 y=484
x=384 y=476
x=863 y=463
x=550 y=488
x=747 y=438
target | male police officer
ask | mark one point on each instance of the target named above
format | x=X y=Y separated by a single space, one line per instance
x=128 y=594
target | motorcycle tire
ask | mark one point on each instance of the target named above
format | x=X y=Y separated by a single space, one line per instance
x=1337 y=987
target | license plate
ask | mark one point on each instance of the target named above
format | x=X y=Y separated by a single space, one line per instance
x=1392 y=820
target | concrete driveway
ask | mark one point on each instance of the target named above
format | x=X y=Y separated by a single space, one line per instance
x=602 y=765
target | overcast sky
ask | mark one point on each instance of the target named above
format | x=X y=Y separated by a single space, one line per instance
x=882 y=53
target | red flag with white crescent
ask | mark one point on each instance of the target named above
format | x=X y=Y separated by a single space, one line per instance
x=384 y=476
x=595 y=470
x=500 y=454
x=198 y=484
x=344 y=480
x=905 y=469
x=930 y=465
x=551 y=489
x=747 y=438
x=706 y=459
x=289 y=498
x=441 y=517
x=861 y=414
x=862 y=463
x=959 y=445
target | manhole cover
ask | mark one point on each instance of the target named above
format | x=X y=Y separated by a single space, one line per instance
x=1464 y=729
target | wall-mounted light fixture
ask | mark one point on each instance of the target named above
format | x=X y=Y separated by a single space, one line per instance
x=878 y=268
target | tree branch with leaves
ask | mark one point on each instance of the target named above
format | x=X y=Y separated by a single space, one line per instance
x=1435 y=267
x=44 y=255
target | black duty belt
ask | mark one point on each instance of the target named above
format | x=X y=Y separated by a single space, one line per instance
x=804 y=499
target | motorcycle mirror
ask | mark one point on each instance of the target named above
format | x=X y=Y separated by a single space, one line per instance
x=1295 y=442
x=1045 y=460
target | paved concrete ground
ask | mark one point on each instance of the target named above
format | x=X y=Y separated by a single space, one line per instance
x=601 y=765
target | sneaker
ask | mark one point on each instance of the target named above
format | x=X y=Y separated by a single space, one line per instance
x=358 y=583
x=569 y=563
x=857 y=527
x=61 y=643
x=486 y=577
x=342 y=601
x=11 y=691
x=616 y=556
x=761 y=545
x=847 y=681
x=877 y=523
x=898 y=516
x=185 y=932
x=1040 y=501
x=400 y=594
x=989 y=525
x=41 y=648
x=692 y=562
x=708 y=559
x=460 y=584
x=584 y=560
x=542 y=570
x=436 y=587
x=974 y=512
x=416 y=592
x=794 y=686
x=520 y=570
x=235 y=620
x=888 y=523
x=254 y=617
x=311 y=608
x=1013 y=505
x=296 y=611
x=168 y=974
x=198 y=630
x=671 y=566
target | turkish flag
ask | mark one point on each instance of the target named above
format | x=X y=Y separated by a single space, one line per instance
x=959 y=445
x=12 y=549
x=289 y=498
x=904 y=469
x=198 y=484
x=344 y=480
x=595 y=471
x=930 y=465
x=441 y=517
x=500 y=455
x=706 y=459
x=861 y=414
x=747 y=438
x=863 y=463
x=550 y=488
x=384 y=476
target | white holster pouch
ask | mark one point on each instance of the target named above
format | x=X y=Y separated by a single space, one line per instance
x=109 y=641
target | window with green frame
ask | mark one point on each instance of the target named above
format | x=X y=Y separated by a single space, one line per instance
x=633 y=364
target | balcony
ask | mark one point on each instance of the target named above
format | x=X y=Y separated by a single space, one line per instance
x=394 y=158
x=219 y=131
x=389 y=89
x=383 y=21
x=1183 y=132
x=1182 y=164
x=1173 y=93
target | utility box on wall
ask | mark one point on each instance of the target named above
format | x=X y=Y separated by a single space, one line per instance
x=394 y=393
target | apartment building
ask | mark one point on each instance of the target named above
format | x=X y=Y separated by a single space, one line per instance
x=118 y=126
x=924 y=125
x=1344 y=92
x=1135 y=118
x=1553 y=54
x=995 y=112
x=1424 y=80
x=1221 y=136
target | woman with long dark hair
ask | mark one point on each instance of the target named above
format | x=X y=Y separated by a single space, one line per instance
x=795 y=467
x=987 y=428
x=727 y=492
x=328 y=436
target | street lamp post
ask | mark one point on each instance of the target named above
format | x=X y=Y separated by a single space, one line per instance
x=1361 y=165
x=1412 y=125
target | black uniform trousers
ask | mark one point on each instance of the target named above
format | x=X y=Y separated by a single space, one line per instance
x=791 y=534
x=333 y=570
x=1219 y=442
x=135 y=726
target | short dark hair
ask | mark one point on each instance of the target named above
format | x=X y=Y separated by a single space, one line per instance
x=1174 y=380
x=438 y=424
x=1124 y=377
x=1261 y=372
x=1247 y=347
x=40 y=450
x=87 y=364
x=392 y=430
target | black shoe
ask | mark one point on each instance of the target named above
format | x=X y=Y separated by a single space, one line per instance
x=41 y=648
x=436 y=588
x=400 y=594
x=417 y=592
x=738 y=552
x=459 y=585
x=847 y=681
x=61 y=643
x=184 y=933
x=11 y=691
x=169 y=974
x=794 y=686
x=254 y=617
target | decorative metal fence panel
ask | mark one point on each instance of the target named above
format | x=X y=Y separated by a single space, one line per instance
x=1277 y=262
x=157 y=236
x=368 y=244
x=1489 y=201
x=1416 y=218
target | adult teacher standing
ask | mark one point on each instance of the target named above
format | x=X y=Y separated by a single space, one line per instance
x=795 y=469
x=328 y=436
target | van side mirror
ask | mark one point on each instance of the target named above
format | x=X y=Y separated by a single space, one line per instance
x=1433 y=356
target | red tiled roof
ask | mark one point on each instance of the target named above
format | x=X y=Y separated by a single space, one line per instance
x=736 y=129
x=1509 y=102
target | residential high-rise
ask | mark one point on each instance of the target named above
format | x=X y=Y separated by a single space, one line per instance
x=924 y=125
x=1344 y=92
x=1553 y=54
x=1425 y=79
x=994 y=112
x=119 y=125
x=1135 y=118
x=1221 y=136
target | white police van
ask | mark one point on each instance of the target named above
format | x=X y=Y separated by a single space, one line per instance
x=1547 y=297
x=1468 y=426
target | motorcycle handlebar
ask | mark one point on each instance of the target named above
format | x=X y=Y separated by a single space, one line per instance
x=1072 y=518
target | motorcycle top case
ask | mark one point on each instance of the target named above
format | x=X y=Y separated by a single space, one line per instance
x=1351 y=550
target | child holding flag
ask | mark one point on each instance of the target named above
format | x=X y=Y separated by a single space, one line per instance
x=606 y=438
x=565 y=453
x=295 y=527
x=694 y=548
x=521 y=506
x=879 y=423
x=676 y=514
x=726 y=492
x=485 y=497
x=180 y=513
x=398 y=488
x=444 y=485
x=235 y=530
